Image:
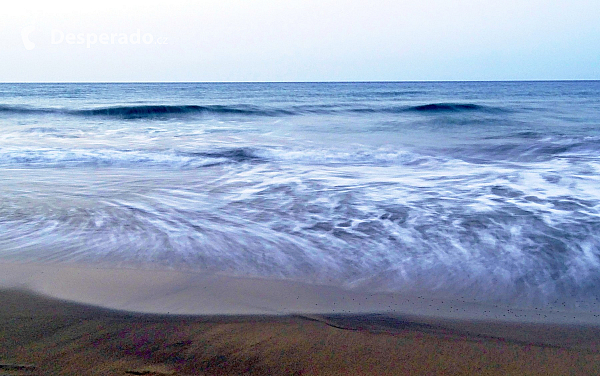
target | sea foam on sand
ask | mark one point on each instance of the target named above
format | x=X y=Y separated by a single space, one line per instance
x=195 y=293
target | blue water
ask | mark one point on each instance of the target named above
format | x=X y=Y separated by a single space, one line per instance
x=489 y=191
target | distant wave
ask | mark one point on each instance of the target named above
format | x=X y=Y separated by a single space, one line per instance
x=24 y=109
x=150 y=111
x=430 y=108
x=400 y=93
x=451 y=107
x=166 y=111
x=145 y=111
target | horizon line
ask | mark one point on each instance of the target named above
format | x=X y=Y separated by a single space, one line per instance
x=294 y=82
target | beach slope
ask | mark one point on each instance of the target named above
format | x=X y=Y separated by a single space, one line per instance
x=44 y=336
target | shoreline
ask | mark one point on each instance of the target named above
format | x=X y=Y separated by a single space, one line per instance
x=196 y=293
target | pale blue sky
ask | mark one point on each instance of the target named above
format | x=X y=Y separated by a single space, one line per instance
x=264 y=40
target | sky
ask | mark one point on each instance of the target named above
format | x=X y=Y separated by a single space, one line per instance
x=293 y=40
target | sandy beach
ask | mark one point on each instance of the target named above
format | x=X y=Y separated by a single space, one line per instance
x=280 y=228
x=74 y=320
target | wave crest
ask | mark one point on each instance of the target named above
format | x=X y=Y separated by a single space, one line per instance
x=166 y=111
x=145 y=111
x=451 y=107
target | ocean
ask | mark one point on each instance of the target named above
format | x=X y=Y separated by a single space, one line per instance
x=486 y=191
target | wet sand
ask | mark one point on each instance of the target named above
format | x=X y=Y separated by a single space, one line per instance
x=223 y=325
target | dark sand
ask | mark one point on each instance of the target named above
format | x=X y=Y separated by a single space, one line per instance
x=45 y=336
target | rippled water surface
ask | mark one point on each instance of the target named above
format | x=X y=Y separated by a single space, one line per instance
x=485 y=190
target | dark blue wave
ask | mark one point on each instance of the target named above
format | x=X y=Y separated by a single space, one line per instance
x=145 y=111
x=166 y=111
x=452 y=107
x=24 y=109
x=431 y=108
x=149 y=111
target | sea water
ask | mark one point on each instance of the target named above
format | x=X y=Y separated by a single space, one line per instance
x=482 y=190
